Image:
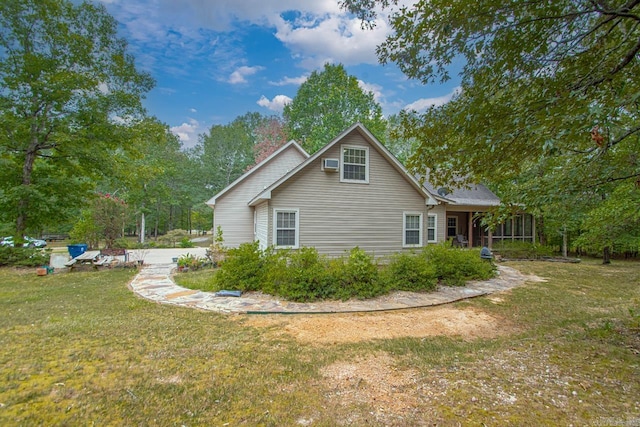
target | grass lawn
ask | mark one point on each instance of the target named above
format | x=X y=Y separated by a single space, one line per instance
x=80 y=348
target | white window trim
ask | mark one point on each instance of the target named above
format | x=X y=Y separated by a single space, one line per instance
x=275 y=228
x=343 y=163
x=435 y=228
x=404 y=230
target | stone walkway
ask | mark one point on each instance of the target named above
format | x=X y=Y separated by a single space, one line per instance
x=154 y=283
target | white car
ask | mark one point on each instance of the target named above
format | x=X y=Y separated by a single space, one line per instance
x=29 y=242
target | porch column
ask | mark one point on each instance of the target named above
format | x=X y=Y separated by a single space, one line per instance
x=533 y=229
x=490 y=239
x=470 y=230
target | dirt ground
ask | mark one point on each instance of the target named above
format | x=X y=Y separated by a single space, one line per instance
x=376 y=379
x=323 y=329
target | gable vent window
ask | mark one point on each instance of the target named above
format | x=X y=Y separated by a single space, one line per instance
x=355 y=164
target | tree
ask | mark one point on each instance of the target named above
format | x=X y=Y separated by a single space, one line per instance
x=326 y=104
x=402 y=148
x=147 y=170
x=269 y=136
x=227 y=150
x=549 y=95
x=69 y=93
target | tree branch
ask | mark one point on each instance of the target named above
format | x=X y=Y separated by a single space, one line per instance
x=609 y=180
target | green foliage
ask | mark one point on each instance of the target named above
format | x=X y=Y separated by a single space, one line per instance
x=242 y=269
x=408 y=271
x=614 y=223
x=85 y=230
x=360 y=275
x=455 y=266
x=190 y=261
x=19 y=256
x=296 y=275
x=173 y=236
x=186 y=242
x=326 y=104
x=521 y=250
x=103 y=220
x=548 y=107
x=227 y=150
x=304 y=275
x=65 y=76
x=217 y=251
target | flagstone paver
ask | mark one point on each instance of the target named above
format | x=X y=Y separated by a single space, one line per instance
x=155 y=283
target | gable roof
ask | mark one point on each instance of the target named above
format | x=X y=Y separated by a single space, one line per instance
x=373 y=141
x=261 y=165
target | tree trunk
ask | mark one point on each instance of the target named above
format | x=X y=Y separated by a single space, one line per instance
x=564 y=241
x=142 y=227
x=157 y=222
x=606 y=255
x=27 y=172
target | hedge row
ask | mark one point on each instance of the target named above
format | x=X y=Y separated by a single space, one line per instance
x=23 y=257
x=304 y=275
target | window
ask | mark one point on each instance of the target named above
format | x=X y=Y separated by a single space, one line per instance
x=285 y=228
x=355 y=164
x=452 y=226
x=412 y=229
x=508 y=230
x=431 y=228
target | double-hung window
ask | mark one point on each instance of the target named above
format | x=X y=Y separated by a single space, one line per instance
x=412 y=229
x=431 y=228
x=286 y=225
x=355 y=164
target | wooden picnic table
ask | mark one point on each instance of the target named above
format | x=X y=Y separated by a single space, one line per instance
x=89 y=257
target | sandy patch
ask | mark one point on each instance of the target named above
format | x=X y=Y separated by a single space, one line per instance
x=355 y=327
x=373 y=380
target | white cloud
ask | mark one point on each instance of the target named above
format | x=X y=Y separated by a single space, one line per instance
x=424 y=103
x=373 y=88
x=193 y=110
x=103 y=88
x=290 y=81
x=221 y=15
x=315 y=32
x=187 y=132
x=332 y=38
x=276 y=104
x=240 y=74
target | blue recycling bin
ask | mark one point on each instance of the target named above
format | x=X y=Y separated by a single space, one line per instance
x=77 y=250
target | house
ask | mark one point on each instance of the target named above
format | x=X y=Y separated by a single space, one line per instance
x=352 y=192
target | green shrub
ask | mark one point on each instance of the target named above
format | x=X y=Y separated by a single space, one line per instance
x=455 y=266
x=297 y=275
x=172 y=237
x=357 y=276
x=186 y=242
x=410 y=272
x=23 y=257
x=192 y=262
x=522 y=250
x=243 y=268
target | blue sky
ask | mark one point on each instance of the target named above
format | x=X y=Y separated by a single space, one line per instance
x=214 y=60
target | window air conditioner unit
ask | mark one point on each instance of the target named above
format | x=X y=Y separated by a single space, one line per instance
x=330 y=165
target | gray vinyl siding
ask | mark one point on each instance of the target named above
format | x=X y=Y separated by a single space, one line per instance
x=337 y=216
x=231 y=211
x=441 y=221
x=262 y=225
